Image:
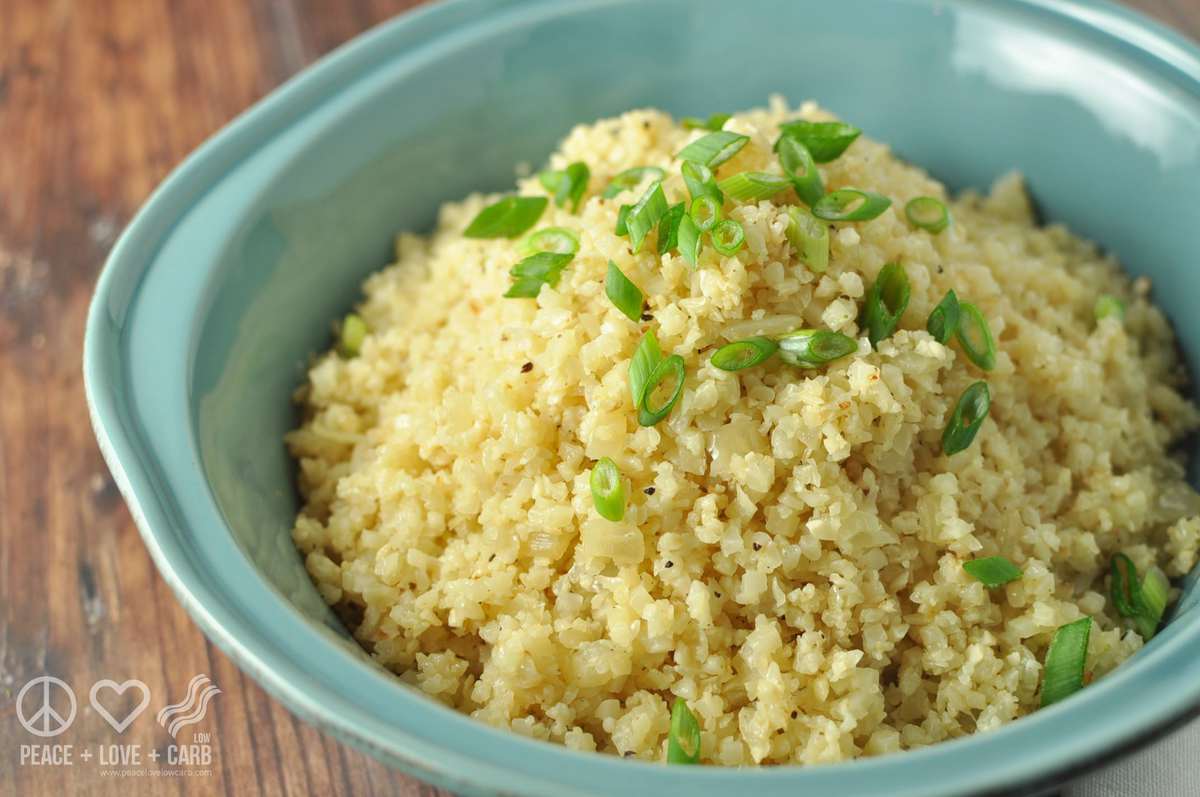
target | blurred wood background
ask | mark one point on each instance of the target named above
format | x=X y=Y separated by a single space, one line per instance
x=98 y=101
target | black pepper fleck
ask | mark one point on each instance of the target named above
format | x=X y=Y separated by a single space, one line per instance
x=757 y=547
x=717 y=594
x=492 y=558
x=795 y=714
x=649 y=491
x=647 y=316
x=669 y=563
x=526 y=368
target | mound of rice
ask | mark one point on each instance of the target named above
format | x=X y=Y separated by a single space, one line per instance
x=791 y=559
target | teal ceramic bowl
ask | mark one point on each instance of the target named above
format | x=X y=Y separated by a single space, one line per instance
x=227 y=280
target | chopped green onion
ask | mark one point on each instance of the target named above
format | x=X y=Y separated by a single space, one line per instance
x=551 y=239
x=992 y=571
x=968 y=415
x=929 y=213
x=700 y=181
x=706 y=212
x=886 y=302
x=608 y=491
x=683 y=741
x=825 y=140
x=727 y=237
x=943 y=321
x=753 y=186
x=744 y=353
x=799 y=165
x=850 y=204
x=646 y=358
x=1124 y=585
x=645 y=215
x=1108 y=305
x=624 y=295
x=1156 y=591
x=648 y=415
x=1144 y=602
x=630 y=179
x=567 y=185
x=689 y=240
x=1065 y=661
x=668 y=228
x=507 y=218
x=623 y=220
x=353 y=332
x=975 y=337
x=810 y=239
x=812 y=348
x=713 y=149
x=543 y=268
x=715 y=122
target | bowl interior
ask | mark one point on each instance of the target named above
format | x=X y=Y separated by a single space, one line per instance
x=443 y=105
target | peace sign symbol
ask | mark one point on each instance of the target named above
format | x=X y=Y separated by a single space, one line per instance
x=50 y=721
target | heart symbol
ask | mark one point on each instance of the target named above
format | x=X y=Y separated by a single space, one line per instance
x=121 y=725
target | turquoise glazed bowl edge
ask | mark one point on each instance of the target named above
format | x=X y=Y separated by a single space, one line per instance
x=226 y=280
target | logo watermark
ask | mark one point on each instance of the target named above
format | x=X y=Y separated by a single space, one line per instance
x=45 y=721
x=46 y=707
x=192 y=708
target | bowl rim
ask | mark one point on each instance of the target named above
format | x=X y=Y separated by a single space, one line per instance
x=532 y=767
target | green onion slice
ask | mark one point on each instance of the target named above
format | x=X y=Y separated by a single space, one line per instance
x=1144 y=602
x=689 y=240
x=622 y=227
x=1065 y=661
x=668 y=228
x=648 y=414
x=886 y=302
x=507 y=218
x=799 y=165
x=624 y=295
x=608 y=491
x=551 y=239
x=705 y=212
x=646 y=358
x=529 y=275
x=812 y=348
x=968 y=415
x=714 y=122
x=727 y=237
x=992 y=571
x=567 y=185
x=929 y=213
x=943 y=321
x=683 y=741
x=645 y=215
x=1156 y=591
x=850 y=204
x=353 y=332
x=1108 y=305
x=713 y=149
x=825 y=140
x=809 y=238
x=753 y=186
x=700 y=181
x=744 y=353
x=630 y=179
x=975 y=337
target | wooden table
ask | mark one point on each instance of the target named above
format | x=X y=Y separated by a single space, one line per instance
x=98 y=101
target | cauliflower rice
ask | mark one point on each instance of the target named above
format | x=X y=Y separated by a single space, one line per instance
x=790 y=562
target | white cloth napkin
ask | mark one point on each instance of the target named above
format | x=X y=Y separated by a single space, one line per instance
x=1168 y=768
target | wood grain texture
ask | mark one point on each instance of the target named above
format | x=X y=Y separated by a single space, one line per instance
x=98 y=100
